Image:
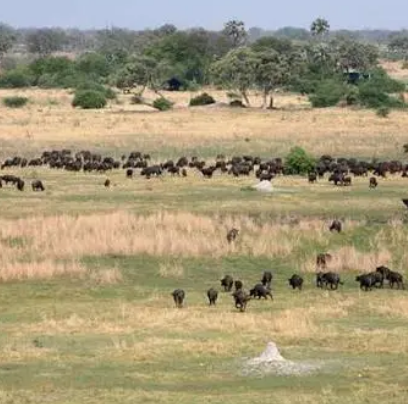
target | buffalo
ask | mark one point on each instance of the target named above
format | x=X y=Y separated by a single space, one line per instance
x=178 y=297
x=336 y=226
x=227 y=282
x=260 y=291
x=212 y=295
x=37 y=185
x=267 y=279
x=296 y=281
x=241 y=299
x=232 y=235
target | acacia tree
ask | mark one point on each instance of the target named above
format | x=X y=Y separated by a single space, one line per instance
x=235 y=30
x=7 y=39
x=272 y=71
x=236 y=71
x=144 y=72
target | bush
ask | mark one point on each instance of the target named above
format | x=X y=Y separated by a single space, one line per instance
x=89 y=99
x=202 y=99
x=162 y=104
x=383 y=112
x=15 y=79
x=298 y=162
x=15 y=102
x=106 y=91
x=328 y=94
x=352 y=96
x=373 y=97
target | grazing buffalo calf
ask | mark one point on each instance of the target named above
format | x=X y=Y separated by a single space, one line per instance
x=107 y=183
x=373 y=182
x=238 y=285
x=212 y=295
x=260 y=291
x=37 y=186
x=232 y=235
x=129 y=173
x=227 y=282
x=267 y=279
x=336 y=226
x=178 y=297
x=184 y=172
x=296 y=281
x=241 y=299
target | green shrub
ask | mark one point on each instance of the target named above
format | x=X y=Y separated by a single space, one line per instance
x=383 y=112
x=404 y=65
x=89 y=99
x=328 y=94
x=202 y=99
x=89 y=85
x=373 y=97
x=15 y=102
x=298 y=162
x=352 y=96
x=162 y=104
x=15 y=79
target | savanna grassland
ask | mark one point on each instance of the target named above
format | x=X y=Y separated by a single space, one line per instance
x=86 y=272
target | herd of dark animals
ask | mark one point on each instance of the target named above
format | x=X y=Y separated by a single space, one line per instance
x=339 y=171
x=324 y=280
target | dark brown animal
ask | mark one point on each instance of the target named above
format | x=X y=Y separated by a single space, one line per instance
x=336 y=226
x=232 y=235
x=322 y=260
x=212 y=295
x=178 y=297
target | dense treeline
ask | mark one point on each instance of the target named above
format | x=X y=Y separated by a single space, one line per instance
x=330 y=67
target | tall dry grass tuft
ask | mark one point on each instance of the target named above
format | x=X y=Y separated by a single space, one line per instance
x=45 y=269
x=350 y=259
x=48 y=239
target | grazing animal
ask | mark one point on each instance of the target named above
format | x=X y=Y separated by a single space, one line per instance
x=267 y=279
x=20 y=185
x=232 y=235
x=184 y=172
x=336 y=226
x=260 y=291
x=296 y=281
x=328 y=278
x=373 y=182
x=241 y=299
x=312 y=177
x=129 y=173
x=212 y=295
x=107 y=183
x=238 y=285
x=322 y=260
x=227 y=282
x=395 y=278
x=367 y=281
x=37 y=185
x=178 y=297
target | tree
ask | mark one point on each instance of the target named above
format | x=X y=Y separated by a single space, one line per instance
x=144 y=72
x=7 y=39
x=351 y=54
x=272 y=71
x=399 y=45
x=237 y=71
x=45 y=41
x=320 y=27
x=235 y=30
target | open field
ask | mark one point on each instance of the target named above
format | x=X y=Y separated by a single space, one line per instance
x=86 y=272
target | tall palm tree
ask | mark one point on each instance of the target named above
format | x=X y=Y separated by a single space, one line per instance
x=320 y=27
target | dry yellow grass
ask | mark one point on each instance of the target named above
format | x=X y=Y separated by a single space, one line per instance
x=334 y=130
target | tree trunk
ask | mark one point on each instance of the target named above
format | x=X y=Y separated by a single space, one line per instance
x=245 y=97
x=271 y=102
x=264 y=99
